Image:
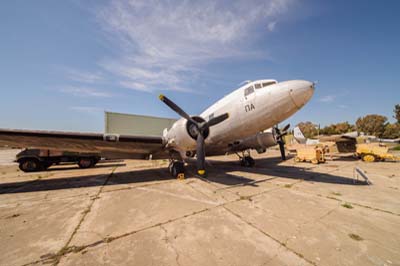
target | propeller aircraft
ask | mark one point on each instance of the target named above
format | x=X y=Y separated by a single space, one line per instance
x=243 y=120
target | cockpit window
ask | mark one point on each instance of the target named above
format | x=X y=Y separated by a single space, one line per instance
x=248 y=90
x=265 y=84
x=257 y=86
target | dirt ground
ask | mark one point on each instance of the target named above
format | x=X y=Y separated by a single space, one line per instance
x=134 y=213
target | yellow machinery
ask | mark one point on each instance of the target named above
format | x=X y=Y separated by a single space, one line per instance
x=373 y=152
x=313 y=154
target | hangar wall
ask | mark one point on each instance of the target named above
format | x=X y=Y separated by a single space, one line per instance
x=128 y=124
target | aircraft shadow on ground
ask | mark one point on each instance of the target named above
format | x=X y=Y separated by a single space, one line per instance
x=270 y=167
x=218 y=173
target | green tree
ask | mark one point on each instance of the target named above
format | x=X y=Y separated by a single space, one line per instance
x=392 y=131
x=338 y=128
x=372 y=124
x=397 y=112
x=309 y=129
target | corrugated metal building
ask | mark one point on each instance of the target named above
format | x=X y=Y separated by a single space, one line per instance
x=127 y=124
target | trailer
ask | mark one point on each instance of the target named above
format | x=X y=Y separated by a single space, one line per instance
x=32 y=160
x=374 y=152
x=313 y=154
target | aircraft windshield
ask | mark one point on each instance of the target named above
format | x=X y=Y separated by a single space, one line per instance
x=265 y=84
x=248 y=90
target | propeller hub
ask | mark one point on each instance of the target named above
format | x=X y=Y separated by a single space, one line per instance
x=193 y=129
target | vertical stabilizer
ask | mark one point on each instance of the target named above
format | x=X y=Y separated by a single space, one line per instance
x=298 y=135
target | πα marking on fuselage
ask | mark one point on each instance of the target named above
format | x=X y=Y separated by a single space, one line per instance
x=249 y=107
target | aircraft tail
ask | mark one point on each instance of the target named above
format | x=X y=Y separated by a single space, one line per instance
x=298 y=135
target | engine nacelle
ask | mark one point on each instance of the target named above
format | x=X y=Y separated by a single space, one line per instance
x=260 y=142
x=183 y=134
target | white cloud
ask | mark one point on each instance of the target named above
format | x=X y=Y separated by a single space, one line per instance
x=327 y=98
x=163 y=44
x=271 y=26
x=86 y=109
x=84 y=77
x=85 y=92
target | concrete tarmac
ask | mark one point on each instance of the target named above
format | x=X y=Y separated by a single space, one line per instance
x=134 y=213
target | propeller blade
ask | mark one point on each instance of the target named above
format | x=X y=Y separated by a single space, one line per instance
x=282 y=149
x=280 y=141
x=286 y=128
x=200 y=154
x=217 y=119
x=282 y=134
x=176 y=108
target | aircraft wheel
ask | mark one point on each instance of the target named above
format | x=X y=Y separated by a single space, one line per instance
x=177 y=168
x=30 y=165
x=247 y=161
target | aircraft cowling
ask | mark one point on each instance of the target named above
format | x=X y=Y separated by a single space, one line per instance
x=183 y=136
x=260 y=142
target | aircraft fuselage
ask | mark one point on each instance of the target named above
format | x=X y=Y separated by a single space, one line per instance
x=252 y=108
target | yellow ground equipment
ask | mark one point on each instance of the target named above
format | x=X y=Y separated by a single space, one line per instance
x=311 y=154
x=373 y=152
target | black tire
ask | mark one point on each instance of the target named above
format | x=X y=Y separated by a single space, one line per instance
x=251 y=161
x=86 y=163
x=30 y=165
x=177 y=168
x=247 y=161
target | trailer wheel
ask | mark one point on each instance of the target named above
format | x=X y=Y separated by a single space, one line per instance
x=368 y=158
x=85 y=163
x=30 y=165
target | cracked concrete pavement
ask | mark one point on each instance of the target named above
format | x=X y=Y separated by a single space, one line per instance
x=134 y=213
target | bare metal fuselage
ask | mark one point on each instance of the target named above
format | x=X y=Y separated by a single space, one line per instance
x=248 y=115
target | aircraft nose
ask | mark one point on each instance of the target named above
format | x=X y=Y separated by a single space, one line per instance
x=301 y=91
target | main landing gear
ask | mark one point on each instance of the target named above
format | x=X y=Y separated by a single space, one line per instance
x=177 y=169
x=246 y=160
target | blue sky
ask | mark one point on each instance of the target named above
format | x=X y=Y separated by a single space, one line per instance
x=62 y=63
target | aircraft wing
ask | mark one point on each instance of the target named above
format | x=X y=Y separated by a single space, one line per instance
x=109 y=145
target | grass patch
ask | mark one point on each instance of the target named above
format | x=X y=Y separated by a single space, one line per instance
x=355 y=237
x=288 y=185
x=336 y=193
x=347 y=205
x=396 y=148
